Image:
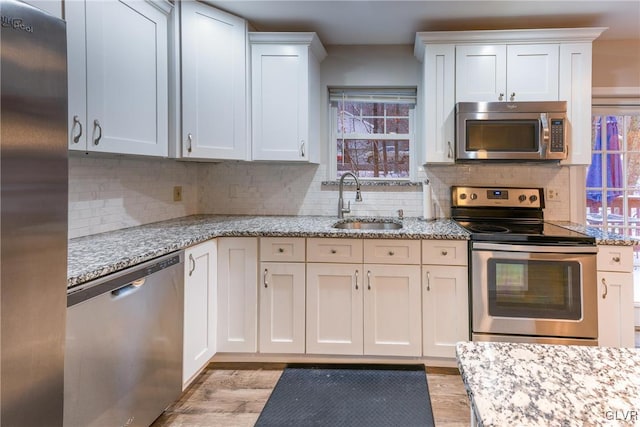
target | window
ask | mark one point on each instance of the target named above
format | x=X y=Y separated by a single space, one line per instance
x=613 y=178
x=372 y=132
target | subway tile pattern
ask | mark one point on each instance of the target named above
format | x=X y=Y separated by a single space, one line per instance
x=110 y=193
x=543 y=385
x=91 y=257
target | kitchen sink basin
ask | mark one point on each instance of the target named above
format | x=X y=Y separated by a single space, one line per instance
x=368 y=225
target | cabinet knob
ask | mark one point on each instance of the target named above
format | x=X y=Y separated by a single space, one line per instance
x=444 y=252
x=333 y=251
x=391 y=253
x=616 y=259
x=280 y=250
x=513 y=96
x=501 y=97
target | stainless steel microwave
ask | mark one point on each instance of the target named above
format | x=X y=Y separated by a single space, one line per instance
x=511 y=131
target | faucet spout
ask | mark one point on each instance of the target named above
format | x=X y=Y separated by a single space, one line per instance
x=341 y=209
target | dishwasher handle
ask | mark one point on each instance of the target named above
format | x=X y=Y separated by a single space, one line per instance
x=123 y=282
x=128 y=289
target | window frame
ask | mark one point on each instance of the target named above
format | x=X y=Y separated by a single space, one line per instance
x=604 y=104
x=332 y=170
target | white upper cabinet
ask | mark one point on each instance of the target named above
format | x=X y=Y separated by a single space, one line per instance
x=504 y=66
x=487 y=73
x=214 y=83
x=118 y=76
x=285 y=96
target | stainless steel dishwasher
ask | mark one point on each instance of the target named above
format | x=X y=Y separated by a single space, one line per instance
x=123 y=361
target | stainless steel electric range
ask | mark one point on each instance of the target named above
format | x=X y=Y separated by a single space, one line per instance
x=530 y=281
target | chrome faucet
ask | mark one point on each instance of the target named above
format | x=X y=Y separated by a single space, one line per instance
x=341 y=209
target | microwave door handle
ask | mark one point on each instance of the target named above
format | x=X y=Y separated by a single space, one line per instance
x=545 y=128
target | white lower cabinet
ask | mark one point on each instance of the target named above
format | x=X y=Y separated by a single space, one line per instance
x=200 y=311
x=363 y=308
x=282 y=295
x=445 y=297
x=392 y=310
x=237 y=294
x=615 y=296
x=334 y=308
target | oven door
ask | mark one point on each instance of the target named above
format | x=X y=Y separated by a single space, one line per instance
x=534 y=290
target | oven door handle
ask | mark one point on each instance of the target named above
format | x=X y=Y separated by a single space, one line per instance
x=580 y=249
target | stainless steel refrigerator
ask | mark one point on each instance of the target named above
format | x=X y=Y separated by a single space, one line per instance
x=33 y=215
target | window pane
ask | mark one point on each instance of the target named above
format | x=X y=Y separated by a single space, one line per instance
x=633 y=132
x=373 y=159
x=399 y=126
x=396 y=110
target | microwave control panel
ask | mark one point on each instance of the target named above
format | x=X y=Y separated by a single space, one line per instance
x=557 y=136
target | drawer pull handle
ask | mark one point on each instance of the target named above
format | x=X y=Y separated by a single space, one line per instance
x=280 y=250
x=428 y=281
x=264 y=278
x=444 y=252
x=333 y=251
x=96 y=126
x=391 y=253
x=616 y=259
x=356 y=280
x=369 y=279
x=606 y=289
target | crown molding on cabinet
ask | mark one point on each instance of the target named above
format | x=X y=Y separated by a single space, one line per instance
x=309 y=38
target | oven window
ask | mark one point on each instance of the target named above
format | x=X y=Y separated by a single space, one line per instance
x=534 y=289
x=502 y=135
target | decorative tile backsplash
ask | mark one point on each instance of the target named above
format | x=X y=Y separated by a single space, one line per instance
x=112 y=193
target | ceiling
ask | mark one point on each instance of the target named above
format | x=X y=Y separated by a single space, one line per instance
x=396 y=22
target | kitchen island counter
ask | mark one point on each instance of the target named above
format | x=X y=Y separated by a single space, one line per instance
x=95 y=256
x=547 y=385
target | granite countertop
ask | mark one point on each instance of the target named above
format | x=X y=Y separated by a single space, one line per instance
x=513 y=384
x=602 y=237
x=94 y=256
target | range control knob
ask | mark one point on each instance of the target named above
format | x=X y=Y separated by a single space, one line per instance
x=463 y=196
x=522 y=198
x=473 y=196
x=533 y=198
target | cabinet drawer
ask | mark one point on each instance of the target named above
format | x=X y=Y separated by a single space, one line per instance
x=389 y=251
x=284 y=249
x=334 y=250
x=444 y=252
x=615 y=258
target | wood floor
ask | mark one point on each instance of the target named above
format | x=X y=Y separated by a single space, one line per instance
x=234 y=395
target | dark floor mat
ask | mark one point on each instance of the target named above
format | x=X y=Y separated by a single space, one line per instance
x=349 y=396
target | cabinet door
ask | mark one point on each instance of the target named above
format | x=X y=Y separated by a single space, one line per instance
x=445 y=309
x=237 y=294
x=392 y=310
x=282 y=306
x=615 y=310
x=481 y=73
x=334 y=308
x=200 y=310
x=214 y=94
x=127 y=83
x=280 y=101
x=575 y=88
x=532 y=72
x=74 y=12
x=439 y=97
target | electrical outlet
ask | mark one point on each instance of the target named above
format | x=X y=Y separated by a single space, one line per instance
x=553 y=194
x=177 y=193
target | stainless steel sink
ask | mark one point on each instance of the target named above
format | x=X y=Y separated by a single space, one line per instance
x=368 y=225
